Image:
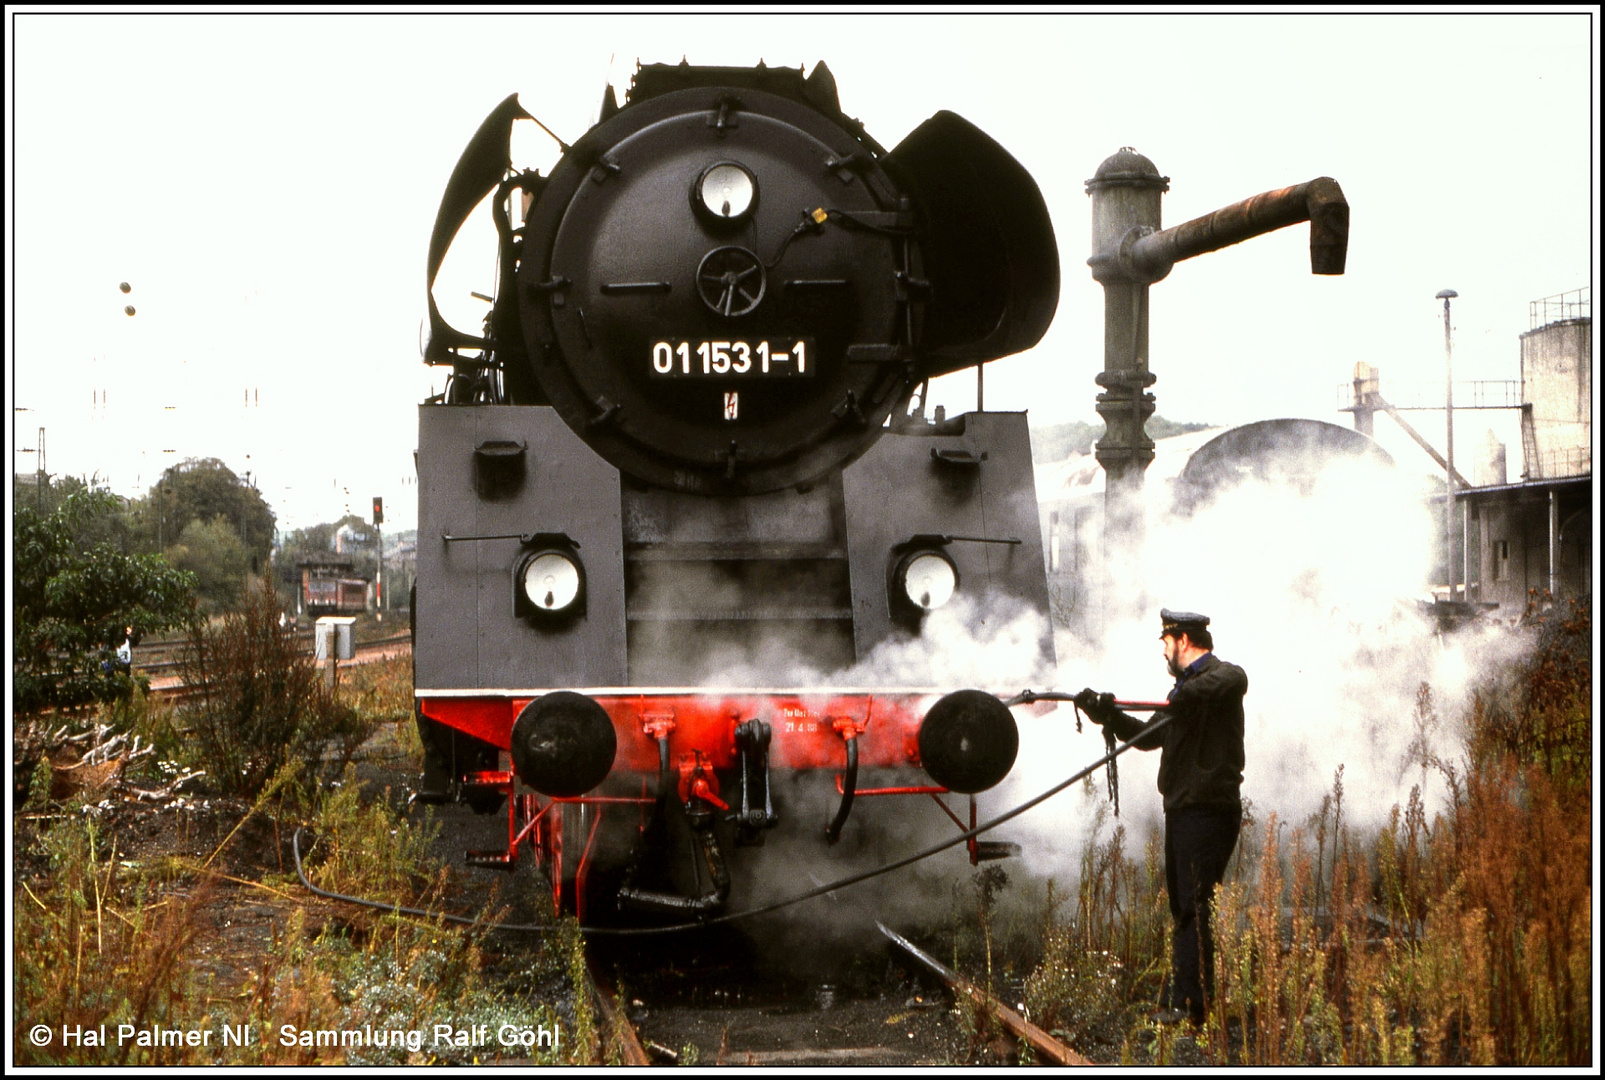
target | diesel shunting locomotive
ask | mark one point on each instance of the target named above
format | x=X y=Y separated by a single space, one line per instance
x=683 y=479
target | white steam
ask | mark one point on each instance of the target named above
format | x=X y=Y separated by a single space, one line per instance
x=991 y=642
x=1313 y=594
x=1311 y=587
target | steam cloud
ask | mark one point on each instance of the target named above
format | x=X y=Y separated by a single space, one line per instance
x=1312 y=587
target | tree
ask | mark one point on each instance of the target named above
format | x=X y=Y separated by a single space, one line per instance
x=116 y=529
x=312 y=541
x=204 y=489
x=212 y=551
x=73 y=600
x=358 y=541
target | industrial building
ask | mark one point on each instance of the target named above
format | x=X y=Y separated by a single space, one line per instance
x=1517 y=544
x=1532 y=538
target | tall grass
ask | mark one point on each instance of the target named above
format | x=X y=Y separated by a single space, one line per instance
x=1461 y=937
x=380 y=692
x=94 y=949
x=393 y=972
x=102 y=940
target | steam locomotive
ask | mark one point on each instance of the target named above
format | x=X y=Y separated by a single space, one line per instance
x=683 y=480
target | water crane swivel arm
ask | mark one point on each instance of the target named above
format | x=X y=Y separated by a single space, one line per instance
x=1148 y=256
x=1129 y=254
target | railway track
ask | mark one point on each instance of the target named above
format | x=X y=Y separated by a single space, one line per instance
x=617 y=1029
x=167 y=682
x=726 y=1000
x=1043 y=1044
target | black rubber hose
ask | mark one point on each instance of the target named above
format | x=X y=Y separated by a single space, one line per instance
x=833 y=832
x=295 y=849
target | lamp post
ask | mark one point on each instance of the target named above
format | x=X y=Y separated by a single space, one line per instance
x=1449 y=439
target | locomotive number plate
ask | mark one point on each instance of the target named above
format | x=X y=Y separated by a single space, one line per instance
x=771 y=358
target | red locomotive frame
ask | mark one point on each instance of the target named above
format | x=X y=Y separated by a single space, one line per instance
x=811 y=730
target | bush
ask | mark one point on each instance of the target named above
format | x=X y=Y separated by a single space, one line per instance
x=73 y=601
x=257 y=701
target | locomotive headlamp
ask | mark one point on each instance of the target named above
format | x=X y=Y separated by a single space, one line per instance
x=928 y=579
x=921 y=577
x=548 y=580
x=551 y=581
x=726 y=191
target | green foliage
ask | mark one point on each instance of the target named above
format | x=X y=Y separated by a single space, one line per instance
x=204 y=489
x=398 y=972
x=113 y=529
x=258 y=702
x=105 y=945
x=1542 y=714
x=74 y=597
x=586 y=1046
x=1056 y=442
x=314 y=540
x=212 y=551
x=365 y=848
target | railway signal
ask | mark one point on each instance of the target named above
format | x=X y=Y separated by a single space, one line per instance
x=379 y=570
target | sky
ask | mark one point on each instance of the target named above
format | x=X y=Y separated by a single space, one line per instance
x=266 y=184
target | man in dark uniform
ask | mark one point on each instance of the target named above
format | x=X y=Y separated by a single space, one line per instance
x=1200 y=774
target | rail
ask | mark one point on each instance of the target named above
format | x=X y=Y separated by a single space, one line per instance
x=160 y=665
x=169 y=685
x=1040 y=1041
x=1564 y=464
x=618 y=1024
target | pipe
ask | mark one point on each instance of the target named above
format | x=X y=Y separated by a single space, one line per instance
x=708 y=903
x=1554 y=546
x=834 y=831
x=1449 y=445
x=665 y=774
x=1149 y=257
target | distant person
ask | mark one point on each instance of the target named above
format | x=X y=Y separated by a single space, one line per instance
x=1200 y=776
x=122 y=659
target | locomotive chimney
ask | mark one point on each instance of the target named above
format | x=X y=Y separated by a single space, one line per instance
x=1130 y=253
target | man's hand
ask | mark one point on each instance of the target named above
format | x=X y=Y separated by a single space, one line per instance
x=1097 y=706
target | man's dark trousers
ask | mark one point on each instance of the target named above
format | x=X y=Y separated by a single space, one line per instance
x=1198 y=845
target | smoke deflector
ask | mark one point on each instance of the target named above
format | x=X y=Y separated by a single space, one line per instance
x=990 y=253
